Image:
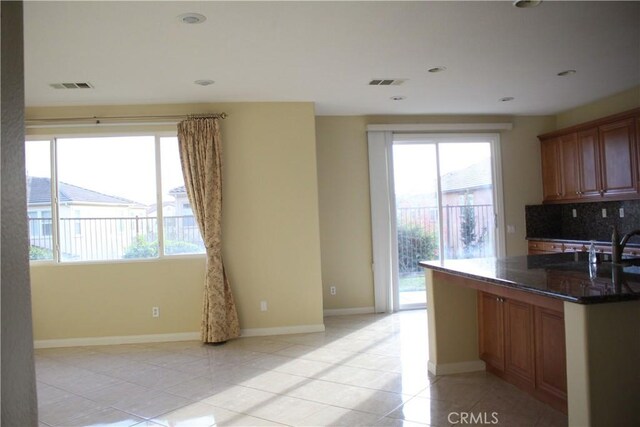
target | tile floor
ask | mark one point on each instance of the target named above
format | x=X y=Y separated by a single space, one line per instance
x=364 y=370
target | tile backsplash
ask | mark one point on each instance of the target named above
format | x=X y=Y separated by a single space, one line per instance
x=558 y=222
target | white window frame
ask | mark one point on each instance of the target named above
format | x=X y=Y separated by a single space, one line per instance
x=55 y=204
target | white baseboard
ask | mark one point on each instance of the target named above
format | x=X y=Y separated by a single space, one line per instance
x=127 y=339
x=348 y=311
x=282 y=330
x=456 y=368
x=183 y=336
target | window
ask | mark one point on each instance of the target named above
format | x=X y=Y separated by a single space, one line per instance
x=38 y=169
x=108 y=206
x=181 y=232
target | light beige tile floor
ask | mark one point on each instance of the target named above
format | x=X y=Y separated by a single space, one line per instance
x=367 y=370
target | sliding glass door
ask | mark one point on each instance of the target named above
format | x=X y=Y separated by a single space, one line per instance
x=417 y=218
x=444 y=196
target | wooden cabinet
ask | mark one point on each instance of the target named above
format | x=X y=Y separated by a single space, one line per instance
x=544 y=247
x=589 y=164
x=523 y=343
x=519 y=340
x=491 y=330
x=537 y=247
x=596 y=160
x=551 y=182
x=550 y=353
x=618 y=157
x=506 y=336
x=569 y=167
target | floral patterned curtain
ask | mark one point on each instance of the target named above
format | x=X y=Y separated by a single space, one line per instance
x=201 y=158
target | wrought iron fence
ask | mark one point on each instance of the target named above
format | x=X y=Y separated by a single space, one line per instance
x=468 y=232
x=96 y=239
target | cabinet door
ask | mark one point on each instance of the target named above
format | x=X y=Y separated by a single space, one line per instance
x=589 y=163
x=491 y=330
x=618 y=157
x=551 y=186
x=550 y=352
x=569 y=166
x=519 y=340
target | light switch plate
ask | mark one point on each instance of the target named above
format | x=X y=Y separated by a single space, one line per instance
x=604 y=213
x=574 y=213
x=621 y=212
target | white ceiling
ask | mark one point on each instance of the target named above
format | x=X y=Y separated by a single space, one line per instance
x=326 y=52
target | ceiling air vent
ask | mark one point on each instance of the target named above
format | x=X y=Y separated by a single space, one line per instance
x=386 y=82
x=81 y=85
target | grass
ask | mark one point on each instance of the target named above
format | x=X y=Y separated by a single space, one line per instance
x=414 y=282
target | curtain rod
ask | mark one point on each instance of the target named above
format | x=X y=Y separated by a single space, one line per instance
x=117 y=120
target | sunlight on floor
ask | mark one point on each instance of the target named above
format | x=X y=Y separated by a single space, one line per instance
x=364 y=370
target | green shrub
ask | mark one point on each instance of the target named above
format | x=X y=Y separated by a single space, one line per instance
x=173 y=247
x=415 y=244
x=141 y=248
x=36 y=252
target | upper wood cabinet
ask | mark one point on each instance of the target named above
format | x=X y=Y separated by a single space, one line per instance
x=618 y=156
x=596 y=160
x=589 y=163
x=551 y=169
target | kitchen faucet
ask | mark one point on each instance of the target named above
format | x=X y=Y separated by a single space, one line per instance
x=618 y=247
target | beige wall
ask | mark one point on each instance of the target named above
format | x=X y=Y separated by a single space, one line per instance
x=603 y=377
x=345 y=216
x=343 y=187
x=613 y=104
x=270 y=229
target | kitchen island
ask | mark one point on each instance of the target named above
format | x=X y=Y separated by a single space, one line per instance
x=565 y=330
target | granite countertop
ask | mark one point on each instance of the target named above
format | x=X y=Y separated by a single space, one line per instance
x=565 y=276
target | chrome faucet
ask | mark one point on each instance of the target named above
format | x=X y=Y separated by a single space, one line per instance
x=618 y=247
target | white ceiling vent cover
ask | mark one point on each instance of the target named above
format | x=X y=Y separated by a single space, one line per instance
x=387 y=82
x=81 y=85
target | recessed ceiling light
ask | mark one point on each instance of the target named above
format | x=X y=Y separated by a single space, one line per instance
x=398 y=98
x=436 y=69
x=507 y=99
x=204 y=82
x=526 y=3
x=192 y=18
x=566 y=73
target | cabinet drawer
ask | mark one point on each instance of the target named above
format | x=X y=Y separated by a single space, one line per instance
x=575 y=247
x=541 y=246
x=632 y=251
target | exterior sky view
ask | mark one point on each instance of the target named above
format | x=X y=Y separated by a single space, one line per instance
x=414 y=163
x=98 y=164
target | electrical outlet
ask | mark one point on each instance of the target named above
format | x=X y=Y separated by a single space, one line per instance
x=511 y=229
x=604 y=213
x=263 y=306
x=332 y=290
x=621 y=211
x=574 y=213
x=155 y=311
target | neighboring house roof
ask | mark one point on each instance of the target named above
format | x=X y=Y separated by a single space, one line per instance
x=39 y=191
x=474 y=176
x=178 y=190
x=154 y=207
